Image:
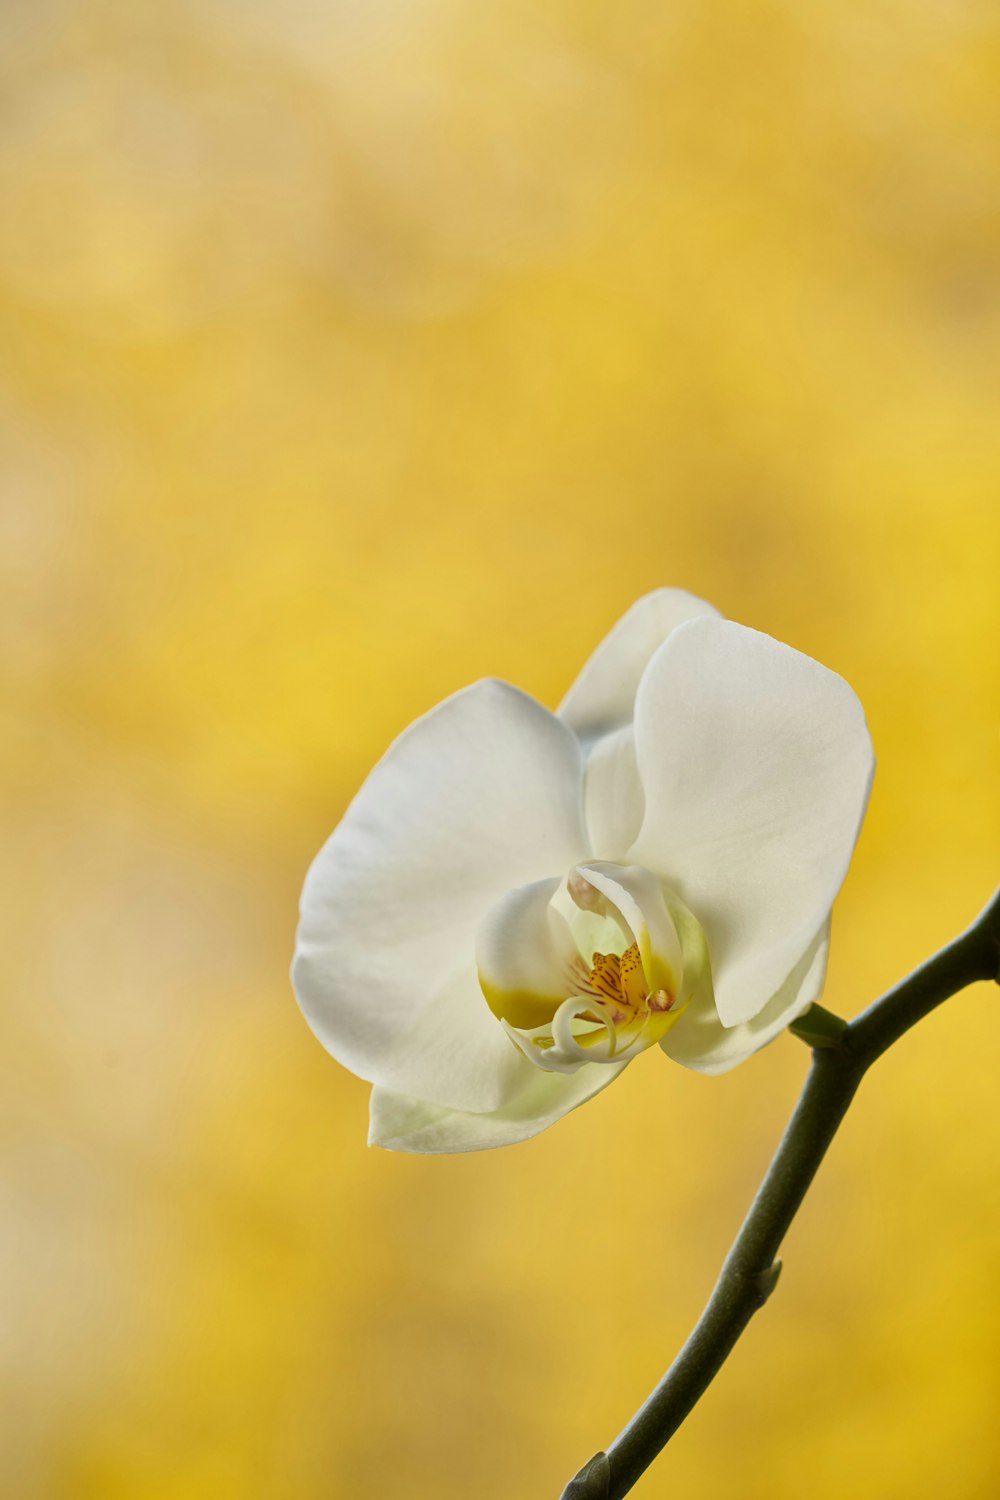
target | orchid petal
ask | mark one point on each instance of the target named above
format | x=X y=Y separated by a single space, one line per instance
x=613 y=798
x=402 y=1124
x=525 y=954
x=700 y=1041
x=481 y=794
x=603 y=694
x=756 y=765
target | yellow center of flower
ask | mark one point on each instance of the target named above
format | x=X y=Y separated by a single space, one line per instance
x=590 y=971
x=619 y=986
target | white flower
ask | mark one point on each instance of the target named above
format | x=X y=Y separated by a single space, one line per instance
x=517 y=902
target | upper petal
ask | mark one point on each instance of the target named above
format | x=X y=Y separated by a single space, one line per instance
x=756 y=765
x=481 y=794
x=603 y=694
x=613 y=794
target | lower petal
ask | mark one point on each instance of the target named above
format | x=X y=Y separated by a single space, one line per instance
x=399 y=1123
x=452 y=1050
x=701 y=1042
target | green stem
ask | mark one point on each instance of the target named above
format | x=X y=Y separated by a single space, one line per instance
x=751 y=1271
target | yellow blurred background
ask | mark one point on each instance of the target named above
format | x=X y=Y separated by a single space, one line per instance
x=354 y=351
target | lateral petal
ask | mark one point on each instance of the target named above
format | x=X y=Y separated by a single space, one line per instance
x=756 y=765
x=482 y=794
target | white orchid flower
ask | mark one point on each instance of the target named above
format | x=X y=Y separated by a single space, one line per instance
x=517 y=903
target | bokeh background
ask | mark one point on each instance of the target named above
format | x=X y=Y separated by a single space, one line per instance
x=353 y=351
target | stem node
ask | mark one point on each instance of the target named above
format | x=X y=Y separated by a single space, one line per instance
x=593 y=1481
x=765 y=1282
